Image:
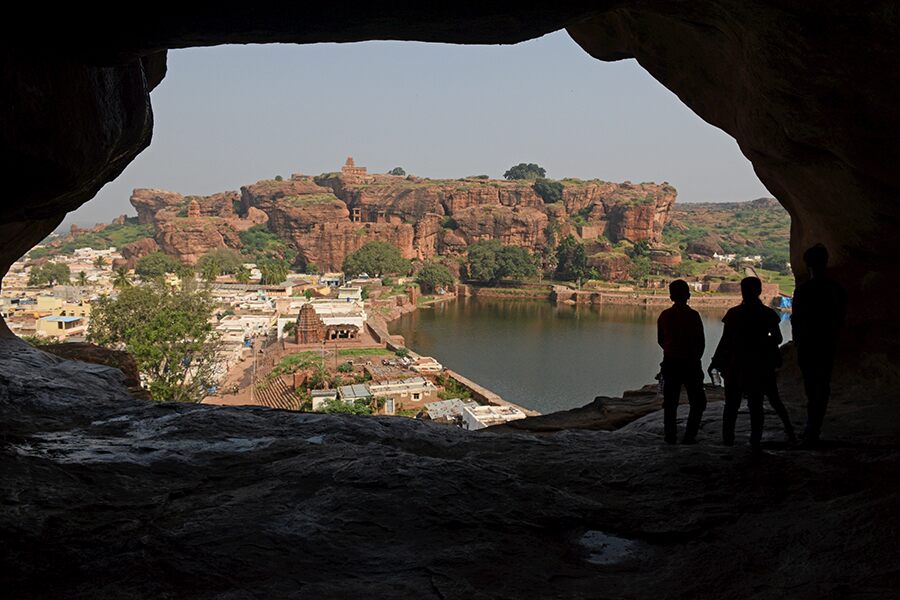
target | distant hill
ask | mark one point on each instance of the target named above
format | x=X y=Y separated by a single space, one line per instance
x=758 y=227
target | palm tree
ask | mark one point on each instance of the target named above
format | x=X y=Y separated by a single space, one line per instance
x=99 y=262
x=121 y=279
x=243 y=275
x=82 y=278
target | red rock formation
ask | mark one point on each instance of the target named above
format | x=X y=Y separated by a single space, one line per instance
x=325 y=218
x=135 y=250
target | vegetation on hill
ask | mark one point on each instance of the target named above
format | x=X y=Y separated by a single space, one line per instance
x=761 y=227
x=525 y=171
x=259 y=243
x=112 y=236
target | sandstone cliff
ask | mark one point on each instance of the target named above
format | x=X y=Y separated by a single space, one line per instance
x=327 y=217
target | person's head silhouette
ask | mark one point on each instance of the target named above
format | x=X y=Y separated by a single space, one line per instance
x=816 y=259
x=679 y=291
x=751 y=288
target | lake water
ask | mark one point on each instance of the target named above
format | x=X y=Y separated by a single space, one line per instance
x=543 y=356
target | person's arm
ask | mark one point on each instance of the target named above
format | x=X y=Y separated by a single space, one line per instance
x=722 y=354
x=701 y=336
x=775 y=329
x=660 y=331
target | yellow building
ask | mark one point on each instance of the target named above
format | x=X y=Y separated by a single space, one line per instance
x=59 y=327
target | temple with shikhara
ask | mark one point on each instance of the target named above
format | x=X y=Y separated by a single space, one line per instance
x=309 y=329
x=351 y=170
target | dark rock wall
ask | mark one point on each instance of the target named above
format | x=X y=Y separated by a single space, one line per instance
x=806 y=88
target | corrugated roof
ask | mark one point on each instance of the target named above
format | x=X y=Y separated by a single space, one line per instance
x=63 y=319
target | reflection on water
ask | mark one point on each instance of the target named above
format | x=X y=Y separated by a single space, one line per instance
x=544 y=356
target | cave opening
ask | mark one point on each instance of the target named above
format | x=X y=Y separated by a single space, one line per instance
x=107 y=496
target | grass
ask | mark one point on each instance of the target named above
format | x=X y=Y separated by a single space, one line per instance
x=364 y=352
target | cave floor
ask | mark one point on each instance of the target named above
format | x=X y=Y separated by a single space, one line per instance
x=106 y=496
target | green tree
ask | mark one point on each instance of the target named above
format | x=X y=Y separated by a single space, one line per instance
x=397 y=171
x=82 y=278
x=273 y=271
x=433 y=276
x=550 y=191
x=49 y=274
x=243 y=275
x=338 y=406
x=481 y=261
x=279 y=178
x=375 y=258
x=167 y=332
x=220 y=261
x=516 y=263
x=99 y=262
x=525 y=171
x=289 y=328
x=571 y=261
x=308 y=294
x=640 y=268
x=121 y=279
x=155 y=265
x=402 y=352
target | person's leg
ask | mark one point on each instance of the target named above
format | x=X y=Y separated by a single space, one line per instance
x=697 y=398
x=778 y=406
x=755 y=404
x=817 y=382
x=671 y=394
x=729 y=414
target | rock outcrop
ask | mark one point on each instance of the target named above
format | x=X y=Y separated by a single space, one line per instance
x=326 y=218
x=108 y=496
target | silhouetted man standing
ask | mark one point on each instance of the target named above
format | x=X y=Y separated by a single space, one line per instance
x=680 y=334
x=819 y=307
x=744 y=356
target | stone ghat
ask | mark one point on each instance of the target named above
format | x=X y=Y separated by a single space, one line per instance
x=106 y=496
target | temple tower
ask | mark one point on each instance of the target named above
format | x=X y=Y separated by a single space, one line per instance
x=310 y=329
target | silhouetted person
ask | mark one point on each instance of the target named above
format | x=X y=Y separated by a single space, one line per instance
x=680 y=334
x=819 y=307
x=744 y=356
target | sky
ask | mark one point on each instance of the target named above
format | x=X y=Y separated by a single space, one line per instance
x=231 y=115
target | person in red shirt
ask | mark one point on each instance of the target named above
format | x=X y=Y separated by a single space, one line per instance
x=680 y=334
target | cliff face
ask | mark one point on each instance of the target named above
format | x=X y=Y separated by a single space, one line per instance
x=326 y=218
x=187 y=227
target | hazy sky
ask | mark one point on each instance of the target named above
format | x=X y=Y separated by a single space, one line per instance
x=232 y=115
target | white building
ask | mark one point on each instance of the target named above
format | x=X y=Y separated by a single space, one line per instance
x=479 y=417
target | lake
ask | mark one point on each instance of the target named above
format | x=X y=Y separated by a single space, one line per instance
x=543 y=356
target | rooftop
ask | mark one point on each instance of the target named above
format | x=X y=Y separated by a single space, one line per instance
x=63 y=319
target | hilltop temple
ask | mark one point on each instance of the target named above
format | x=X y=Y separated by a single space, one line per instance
x=351 y=170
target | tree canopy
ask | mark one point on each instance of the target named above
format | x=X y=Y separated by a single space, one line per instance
x=525 y=171
x=490 y=261
x=220 y=261
x=273 y=271
x=156 y=265
x=167 y=332
x=550 y=191
x=433 y=276
x=49 y=274
x=375 y=258
x=397 y=171
x=571 y=261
